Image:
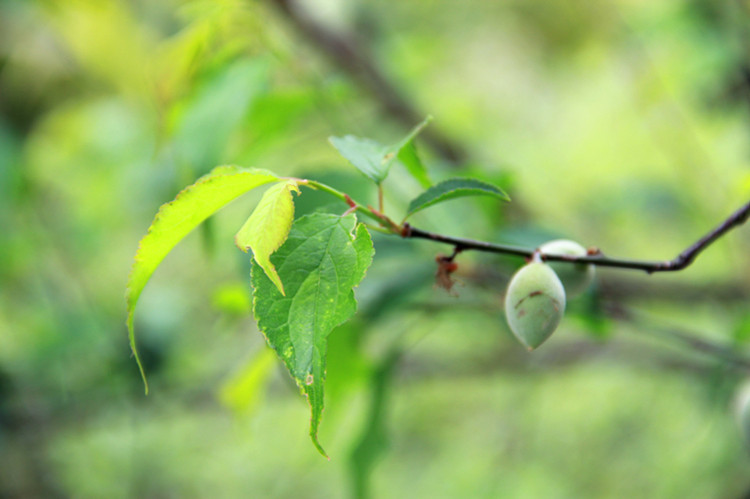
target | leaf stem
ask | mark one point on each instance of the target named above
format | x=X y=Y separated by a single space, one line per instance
x=378 y=228
x=389 y=225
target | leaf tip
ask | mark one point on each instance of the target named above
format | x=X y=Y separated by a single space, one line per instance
x=316 y=443
x=244 y=248
x=270 y=271
x=131 y=335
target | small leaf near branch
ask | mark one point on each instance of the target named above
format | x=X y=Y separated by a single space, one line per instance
x=322 y=260
x=451 y=189
x=177 y=218
x=409 y=157
x=268 y=226
x=375 y=159
x=365 y=154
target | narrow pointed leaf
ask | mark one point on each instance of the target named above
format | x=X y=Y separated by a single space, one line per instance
x=409 y=139
x=177 y=218
x=322 y=260
x=268 y=227
x=409 y=157
x=454 y=188
x=373 y=158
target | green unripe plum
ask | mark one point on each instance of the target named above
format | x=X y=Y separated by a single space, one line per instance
x=576 y=277
x=534 y=303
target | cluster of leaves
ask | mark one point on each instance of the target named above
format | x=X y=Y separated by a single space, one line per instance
x=305 y=270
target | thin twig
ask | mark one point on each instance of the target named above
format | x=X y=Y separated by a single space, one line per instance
x=352 y=57
x=595 y=257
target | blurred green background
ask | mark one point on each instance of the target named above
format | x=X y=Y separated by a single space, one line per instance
x=620 y=124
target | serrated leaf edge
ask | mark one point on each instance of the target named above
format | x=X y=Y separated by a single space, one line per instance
x=132 y=300
x=492 y=191
x=302 y=383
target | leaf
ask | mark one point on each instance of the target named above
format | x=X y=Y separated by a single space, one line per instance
x=372 y=158
x=451 y=189
x=177 y=218
x=268 y=227
x=320 y=263
x=366 y=155
x=413 y=164
x=206 y=122
x=243 y=392
x=372 y=442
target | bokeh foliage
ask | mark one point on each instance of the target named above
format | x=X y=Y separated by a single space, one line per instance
x=619 y=124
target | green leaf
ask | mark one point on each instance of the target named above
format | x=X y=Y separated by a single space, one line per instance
x=366 y=155
x=374 y=159
x=413 y=164
x=451 y=189
x=177 y=218
x=243 y=392
x=322 y=260
x=372 y=442
x=268 y=227
x=206 y=122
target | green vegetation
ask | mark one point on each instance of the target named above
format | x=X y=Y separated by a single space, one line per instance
x=623 y=126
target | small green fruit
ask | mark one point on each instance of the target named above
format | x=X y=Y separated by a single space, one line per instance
x=534 y=303
x=576 y=277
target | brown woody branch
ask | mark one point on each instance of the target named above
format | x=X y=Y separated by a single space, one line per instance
x=594 y=257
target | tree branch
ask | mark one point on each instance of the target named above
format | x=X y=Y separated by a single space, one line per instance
x=353 y=58
x=594 y=257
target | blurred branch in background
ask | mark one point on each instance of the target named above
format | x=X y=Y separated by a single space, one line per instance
x=354 y=58
x=555 y=356
x=560 y=357
x=724 y=353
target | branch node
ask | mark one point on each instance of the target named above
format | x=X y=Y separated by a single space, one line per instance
x=350 y=201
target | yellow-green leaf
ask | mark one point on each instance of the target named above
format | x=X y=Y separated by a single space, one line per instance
x=177 y=218
x=268 y=227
